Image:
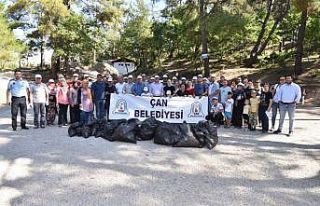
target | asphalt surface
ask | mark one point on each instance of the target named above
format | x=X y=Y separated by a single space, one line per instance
x=46 y=167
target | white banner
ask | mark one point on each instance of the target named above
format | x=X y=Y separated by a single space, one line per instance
x=174 y=109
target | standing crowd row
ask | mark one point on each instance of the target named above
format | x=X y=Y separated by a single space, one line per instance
x=240 y=102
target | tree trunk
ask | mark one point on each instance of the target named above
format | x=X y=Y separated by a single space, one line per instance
x=204 y=35
x=298 y=67
x=253 y=54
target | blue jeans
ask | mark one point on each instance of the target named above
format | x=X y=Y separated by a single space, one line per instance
x=39 y=110
x=85 y=117
x=284 y=108
x=100 y=106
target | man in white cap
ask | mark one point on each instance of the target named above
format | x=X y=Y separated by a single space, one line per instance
x=137 y=88
x=40 y=98
x=128 y=86
x=75 y=77
x=156 y=88
x=110 y=89
x=120 y=85
x=164 y=80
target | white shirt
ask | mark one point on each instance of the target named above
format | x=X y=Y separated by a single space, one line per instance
x=216 y=108
x=127 y=88
x=18 y=88
x=229 y=105
x=288 y=93
x=156 y=89
x=39 y=93
x=120 y=87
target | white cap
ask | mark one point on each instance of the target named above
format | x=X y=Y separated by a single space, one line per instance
x=157 y=76
x=200 y=75
x=86 y=75
x=165 y=76
x=139 y=77
x=130 y=77
x=51 y=81
x=152 y=78
x=145 y=89
x=183 y=78
x=38 y=76
x=75 y=75
x=194 y=78
x=110 y=79
x=240 y=84
x=174 y=77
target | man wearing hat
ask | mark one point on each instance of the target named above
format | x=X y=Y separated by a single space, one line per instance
x=40 y=98
x=18 y=90
x=156 y=88
x=127 y=89
x=164 y=80
x=216 y=112
x=137 y=88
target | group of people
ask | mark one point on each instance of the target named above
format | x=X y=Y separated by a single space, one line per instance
x=240 y=103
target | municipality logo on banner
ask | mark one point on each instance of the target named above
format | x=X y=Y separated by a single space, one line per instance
x=121 y=107
x=196 y=110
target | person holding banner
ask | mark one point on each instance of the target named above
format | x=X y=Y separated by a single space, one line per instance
x=156 y=88
x=110 y=88
x=137 y=88
x=127 y=89
x=169 y=89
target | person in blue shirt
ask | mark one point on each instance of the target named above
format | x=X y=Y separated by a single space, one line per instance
x=288 y=97
x=19 y=91
x=98 y=89
x=137 y=88
x=200 y=88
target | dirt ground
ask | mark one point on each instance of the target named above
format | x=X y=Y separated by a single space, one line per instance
x=46 y=167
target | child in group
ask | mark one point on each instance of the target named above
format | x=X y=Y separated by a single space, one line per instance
x=228 y=107
x=216 y=112
x=245 y=113
x=146 y=92
x=254 y=108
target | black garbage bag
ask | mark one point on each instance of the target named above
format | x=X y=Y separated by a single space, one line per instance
x=110 y=127
x=167 y=134
x=74 y=128
x=187 y=138
x=148 y=128
x=98 y=129
x=206 y=133
x=126 y=132
x=88 y=129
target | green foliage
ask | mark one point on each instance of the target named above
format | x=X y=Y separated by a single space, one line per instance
x=10 y=47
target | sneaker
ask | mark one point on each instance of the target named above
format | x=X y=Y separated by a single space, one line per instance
x=277 y=132
x=14 y=129
x=25 y=127
x=36 y=127
x=289 y=134
x=42 y=126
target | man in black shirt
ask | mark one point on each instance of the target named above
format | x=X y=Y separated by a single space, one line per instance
x=265 y=105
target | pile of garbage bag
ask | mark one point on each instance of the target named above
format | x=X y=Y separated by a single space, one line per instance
x=202 y=134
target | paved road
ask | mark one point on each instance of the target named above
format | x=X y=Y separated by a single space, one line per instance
x=45 y=167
